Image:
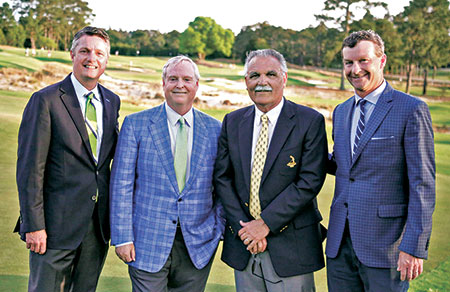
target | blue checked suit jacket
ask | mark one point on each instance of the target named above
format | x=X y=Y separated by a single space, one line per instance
x=387 y=190
x=145 y=201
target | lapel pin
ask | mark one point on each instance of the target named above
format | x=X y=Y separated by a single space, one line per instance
x=292 y=163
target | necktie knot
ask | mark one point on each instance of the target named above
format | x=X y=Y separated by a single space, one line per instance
x=90 y=96
x=361 y=104
x=264 y=119
x=181 y=121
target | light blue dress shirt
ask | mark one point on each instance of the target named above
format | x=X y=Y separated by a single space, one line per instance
x=371 y=101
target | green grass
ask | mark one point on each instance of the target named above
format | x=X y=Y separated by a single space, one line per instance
x=14 y=256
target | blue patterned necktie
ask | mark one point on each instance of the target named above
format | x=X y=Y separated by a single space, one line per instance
x=361 y=125
x=91 y=123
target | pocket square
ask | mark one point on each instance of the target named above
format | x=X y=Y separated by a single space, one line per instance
x=382 y=138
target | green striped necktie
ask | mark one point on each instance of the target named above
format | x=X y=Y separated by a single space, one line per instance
x=91 y=123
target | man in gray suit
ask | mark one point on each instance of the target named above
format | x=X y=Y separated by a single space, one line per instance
x=66 y=142
x=383 y=159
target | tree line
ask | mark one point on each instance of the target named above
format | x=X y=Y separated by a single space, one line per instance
x=416 y=38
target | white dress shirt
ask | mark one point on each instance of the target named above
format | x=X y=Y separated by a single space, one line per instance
x=272 y=115
x=81 y=92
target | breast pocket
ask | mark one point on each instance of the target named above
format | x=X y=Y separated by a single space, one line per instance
x=289 y=161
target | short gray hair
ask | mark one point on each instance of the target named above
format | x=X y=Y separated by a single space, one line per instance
x=265 y=53
x=91 y=31
x=177 y=60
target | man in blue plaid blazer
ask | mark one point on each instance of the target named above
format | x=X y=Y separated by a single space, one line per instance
x=380 y=219
x=167 y=230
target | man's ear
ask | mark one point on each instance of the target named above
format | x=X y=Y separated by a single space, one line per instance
x=285 y=78
x=383 y=61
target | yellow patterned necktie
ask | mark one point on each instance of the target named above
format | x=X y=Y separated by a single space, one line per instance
x=91 y=123
x=259 y=159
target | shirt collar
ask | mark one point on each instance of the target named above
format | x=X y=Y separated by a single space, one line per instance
x=272 y=115
x=80 y=90
x=173 y=116
x=374 y=95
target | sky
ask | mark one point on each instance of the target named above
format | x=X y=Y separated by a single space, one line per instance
x=169 y=15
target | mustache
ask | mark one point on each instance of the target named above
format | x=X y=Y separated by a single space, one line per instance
x=259 y=88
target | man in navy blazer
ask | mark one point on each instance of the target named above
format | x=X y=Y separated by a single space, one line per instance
x=380 y=218
x=165 y=221
x=63 y=181
x=279 y=247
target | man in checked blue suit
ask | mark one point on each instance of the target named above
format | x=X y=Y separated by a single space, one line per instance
x=165 y=221
x=383 y=159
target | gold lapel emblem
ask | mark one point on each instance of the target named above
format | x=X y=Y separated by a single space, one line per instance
x=292 y=163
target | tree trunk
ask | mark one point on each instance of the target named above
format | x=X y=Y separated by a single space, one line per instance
x=425 y=80
x=409 y=74
x=342 y=87
x=347 y=32
x=409 y=77
x=434 y=74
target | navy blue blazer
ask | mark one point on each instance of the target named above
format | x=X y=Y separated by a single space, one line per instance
x=387 y=191
x=288 y=190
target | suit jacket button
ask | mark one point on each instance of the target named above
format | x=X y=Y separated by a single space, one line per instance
x=174 y=221
x=94 y=198
x=352 y=179
x=180 y=199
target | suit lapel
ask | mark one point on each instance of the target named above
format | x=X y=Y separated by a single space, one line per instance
x=108 y=126
x=70 y=100
x=382 y=108
x=199 y=147
x=245 y=143
x=281 y=132
x=348 y=108
x=161 y=139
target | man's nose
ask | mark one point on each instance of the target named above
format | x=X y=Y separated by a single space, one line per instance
x=91 y=55
x=262 y=80
x=180 y=83
x=356 y=68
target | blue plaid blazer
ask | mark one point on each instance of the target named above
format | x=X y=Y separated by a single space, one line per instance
x=145 y=201
x=387 y=191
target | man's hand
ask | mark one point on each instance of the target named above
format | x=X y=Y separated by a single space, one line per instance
x=409 y=266
x=37 y=241
x=126 y=252
x=253 y=234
